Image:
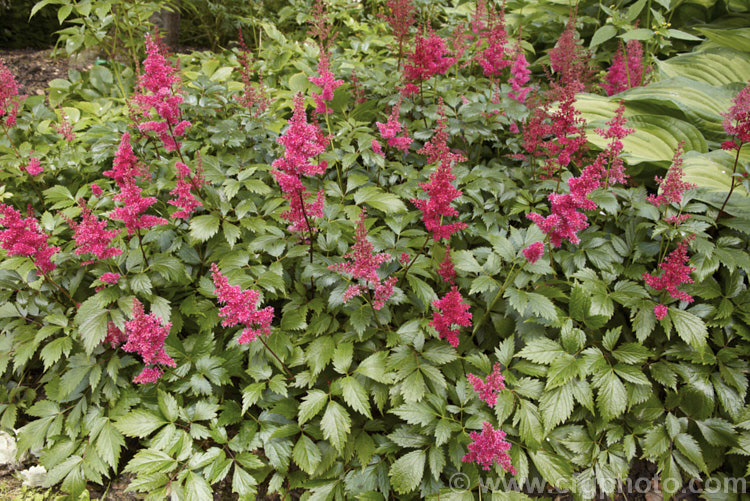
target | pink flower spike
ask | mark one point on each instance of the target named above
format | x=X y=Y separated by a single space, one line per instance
x=34 y=168
x=453 y=312
x=660 y=311
x=115 y=337
x=675 y=272
x=146 y=336
x=24 y=237
x=519 y=77
x=488 y=389
x=377 y=148
x=96 y=190
x=327 y=83
x=737 y=120
x=241 y=308
x=10 y=101
x=533 y=252
x=91 y=235
x=404 y=259
x=185 y=200
x=489 y=447
x=446 y=269
x=110 y=278
x=672 y=185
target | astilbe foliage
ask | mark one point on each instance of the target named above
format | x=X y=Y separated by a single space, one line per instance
x=440 y=190
x=24 y=237
x=10 y=101
x=489 y=447
x=302 y=141
x=157 y=90
x=241 y=308
x=145 y=336
x=453 y=311
x=490 y=387
x=362 y=264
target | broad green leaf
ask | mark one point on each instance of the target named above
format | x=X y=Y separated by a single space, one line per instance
x=689 y=327
x=204 y=226
x=541 y=350
x=311 y=404
x=603 y=34
x=336 y=425
x=306 y=454
x=139 y=423
x=355 y=396
x=92 y=320
x=197 y=488
x=377 y=198
x=555 y=469
x=612 y=397
x=407 y=471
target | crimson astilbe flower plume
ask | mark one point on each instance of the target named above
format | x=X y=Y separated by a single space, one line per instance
x=660 y=311
x=34 y=168
x=494 y=57
x=609 y=163
x=110 y=278
x=126 y=166
x=672 y=186
x=134 y=207
x=626 y=70
x=24 y=237
x=489 y=388
x=446 y=270
x=92 y=236
x=145 y=336
x=571 y=61
x=115 y=337
x=362 y=264
x=10 y=101
x=533 y=252
x=302 y=141
x=64 y=128
x=254 y=96
x=157 y=91
x=519 y=76
x=400 y=19
x=675 y=273
x=185 y=200
x=241 y=308
x=489 y=447
x=327 y=83
x=320 y=24
x=390 y=130
x=737 y=120
x=453 y=311
x=430 y=58
x=440 y=190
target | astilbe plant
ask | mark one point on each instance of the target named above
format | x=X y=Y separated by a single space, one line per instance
x=10 y=101
x=92 y=236
x=145 y=334
x=626 y=70
x=675 y=272
x=24 y=237
x=430 y=58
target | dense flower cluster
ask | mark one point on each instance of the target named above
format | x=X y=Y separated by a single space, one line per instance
x=241 y=308
x=126 y=167
x=571 y=61
x=10 y=101
x=737 y=120
x=363 y=265
x=609 y=161
x=24 y=237
x=626 y=70
x=453 y=312
x=34 y=168
x=185 y=200
x=92 y=236
x=675 y=273
x=533 y=252
x=489 y=447
x=489 y=388
x=391 y=129
x=446 y=270
x=145 y=336
x=440 y=190
x=64 y=128
x=327 y=83
x=110 y=278
x=430 y=58
x=115 y=337
x=302 y=141
x=254 y=96
x=672 y=186
x=520 y=74
x=493 y=57
x=157 y=91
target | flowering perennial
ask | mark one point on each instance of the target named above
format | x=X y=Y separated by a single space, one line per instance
x=115 y=337
x=454 y=312
x=430 y=58
x=446 y=269
x=327 y=83
x=254 y=96
x=440 y=190
x=520 y=74
x=489 y=447
x=626 y=70
x=126 y=167
x=302 y=142
x=156 y=91
x=493 y=58
x=145 y=336
x=34 y=168
x=392 y=128
x=185 y=200
x=132 y=213
x=676 y=272
x=10 y=101
x=110 y=278
x=533 y=252
x=92 y=237
x=737 y=120
x=672 y=185
x=241 y=308
x=64 y=128
x=363 y=265
x=489 y=388
x=24 y=237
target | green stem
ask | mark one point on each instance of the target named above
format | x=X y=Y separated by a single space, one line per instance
x=731 y=188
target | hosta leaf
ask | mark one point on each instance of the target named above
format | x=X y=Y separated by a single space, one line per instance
x=714 y=67
x=407 y=471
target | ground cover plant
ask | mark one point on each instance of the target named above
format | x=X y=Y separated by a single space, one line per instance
x=388 y=247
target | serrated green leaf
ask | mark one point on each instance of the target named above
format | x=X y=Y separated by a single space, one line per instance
x=355 y=396
x=139 y=423
x=306 y=454
x=407 y=471
x=336 y=425
x=204 y=226
x=689 y=327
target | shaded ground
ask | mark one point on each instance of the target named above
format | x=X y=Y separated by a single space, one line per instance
x=34 y=69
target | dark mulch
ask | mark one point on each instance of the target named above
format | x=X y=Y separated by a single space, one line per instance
x=34 y=69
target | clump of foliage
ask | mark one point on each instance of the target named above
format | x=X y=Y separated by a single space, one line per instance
x=253 y=268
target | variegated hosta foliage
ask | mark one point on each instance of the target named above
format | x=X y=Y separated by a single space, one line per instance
x=371 y=402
